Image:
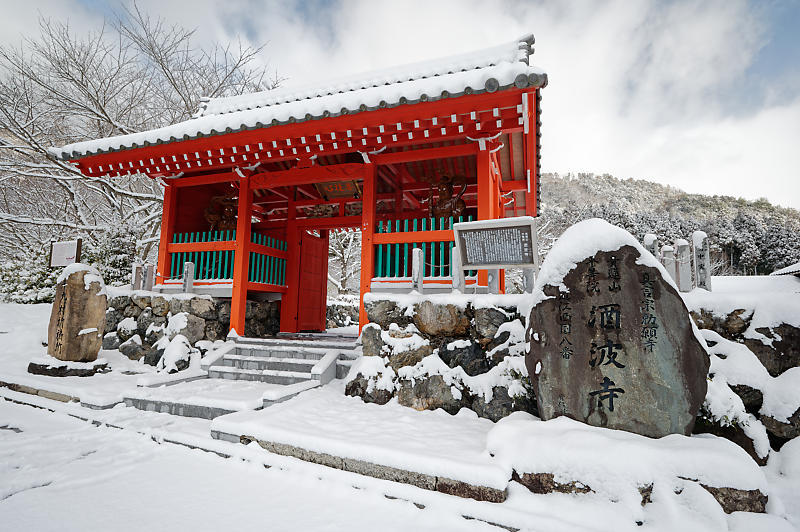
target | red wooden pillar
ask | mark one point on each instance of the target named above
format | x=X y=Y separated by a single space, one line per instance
x=168 y=214
x=486 y=199
x=368 y=210
x=241 y=258
x=290 y=300
x=326 y=235
x=498 y=207
x=529 y=134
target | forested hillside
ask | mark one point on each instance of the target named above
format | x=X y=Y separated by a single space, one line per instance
x=748 y=237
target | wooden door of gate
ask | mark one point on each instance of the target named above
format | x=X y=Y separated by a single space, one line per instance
x=312 y=288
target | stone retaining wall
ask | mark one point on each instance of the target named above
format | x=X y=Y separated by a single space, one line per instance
x=431 y=354
x=434 y=354
x=136 y=321
x=341 y=313
x=778 y=350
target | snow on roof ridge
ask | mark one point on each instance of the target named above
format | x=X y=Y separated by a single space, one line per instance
x=517 y=50
x=513 y=71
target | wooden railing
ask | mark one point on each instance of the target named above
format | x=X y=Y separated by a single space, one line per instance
x=267 y=260
x=212 y=253
x=395 y=241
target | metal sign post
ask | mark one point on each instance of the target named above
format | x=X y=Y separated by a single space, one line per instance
x=498 y=244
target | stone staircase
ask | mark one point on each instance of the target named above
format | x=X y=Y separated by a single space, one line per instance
x=294 y=363
x=290 y=360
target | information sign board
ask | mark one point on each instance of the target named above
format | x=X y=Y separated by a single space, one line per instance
x=497 y=244
x=65 y=253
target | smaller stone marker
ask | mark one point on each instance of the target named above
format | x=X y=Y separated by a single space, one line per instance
x=457 y=271
x=188 y=277
x=702 y=260
x=136 y=276
x=668 y=260
x=149 y=277
x=611 y=340
x=651 y=244
x=683 y=265
x=417 y=270
x=78 y=317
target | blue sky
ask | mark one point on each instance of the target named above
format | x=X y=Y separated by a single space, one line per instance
x=702 y=95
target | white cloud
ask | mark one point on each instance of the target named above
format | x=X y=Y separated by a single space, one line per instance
x=637 y=89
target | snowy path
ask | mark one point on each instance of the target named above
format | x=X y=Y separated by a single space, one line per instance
x=59 y=473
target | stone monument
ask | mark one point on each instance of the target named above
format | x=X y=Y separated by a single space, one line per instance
x=78 y=317
x=611 y=341
x=683 y=265
x=702 y=260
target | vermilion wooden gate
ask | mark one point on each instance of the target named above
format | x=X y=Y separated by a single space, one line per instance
x=312 y=288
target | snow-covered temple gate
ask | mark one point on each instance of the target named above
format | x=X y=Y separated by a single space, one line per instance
x=253 y=183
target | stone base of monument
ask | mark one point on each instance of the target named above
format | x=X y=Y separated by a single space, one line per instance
x=52 y=367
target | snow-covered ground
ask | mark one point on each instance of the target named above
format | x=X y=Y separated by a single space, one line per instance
x=59 y=473
x=131 y=477
x=23 y=333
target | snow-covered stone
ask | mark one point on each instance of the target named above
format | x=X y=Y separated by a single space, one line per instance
x=79 y=306
x=612 y=337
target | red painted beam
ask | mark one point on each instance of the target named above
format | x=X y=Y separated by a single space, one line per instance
x=513 y=186
x=201 y=246
x=266 y=287
x=301 y=176
x=460 y=150
x=191 y=181
x=266 y=250
x=413 y=236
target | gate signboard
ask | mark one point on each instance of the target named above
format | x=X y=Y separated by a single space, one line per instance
x=497 y=244
x=65 y=253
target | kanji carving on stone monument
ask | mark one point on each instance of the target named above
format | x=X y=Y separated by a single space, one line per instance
x=613 y=341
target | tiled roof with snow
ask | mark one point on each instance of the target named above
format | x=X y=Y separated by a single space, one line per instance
x=488 y=70
x=793 y=269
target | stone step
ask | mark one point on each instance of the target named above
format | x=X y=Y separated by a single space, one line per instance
x=301 y=365
x=320 y=343
x=270 y=376
x=301 y=353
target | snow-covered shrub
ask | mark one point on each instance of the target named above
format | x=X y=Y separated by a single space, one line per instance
x=113 y=254
x=28 y=279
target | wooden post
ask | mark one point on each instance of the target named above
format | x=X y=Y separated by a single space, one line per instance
x=368 y=209
x=290 y=301
x=531 y=157
x=485 y=199
x=167 y=228
x=241 y=257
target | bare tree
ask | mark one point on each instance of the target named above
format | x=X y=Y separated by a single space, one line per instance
x=345 y=251
x=134 y=74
